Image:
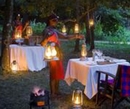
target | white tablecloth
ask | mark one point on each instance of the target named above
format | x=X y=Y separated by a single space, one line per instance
x=28 y=57
x=85 y=72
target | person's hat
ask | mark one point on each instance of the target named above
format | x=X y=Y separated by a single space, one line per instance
x=53 y=16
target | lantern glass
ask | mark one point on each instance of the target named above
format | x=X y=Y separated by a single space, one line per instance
x=76 y=28
x=14 y=66
x=64 y=29
x=83 y=52
x=48 y=52
x=51 y=52
x=77 y=98
x=91 y=22
x=17 y=34
x=29 y=31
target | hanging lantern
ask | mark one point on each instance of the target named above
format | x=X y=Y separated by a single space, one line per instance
x=50 y=52
x=17 y=34
x=76 y=28
x=77 y=98
x=83 y=52
x=64 y=30
x=91 y=22
x=29 y=31
x=14 y=66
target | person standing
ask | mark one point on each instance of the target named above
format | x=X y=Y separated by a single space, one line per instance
x=51 y=34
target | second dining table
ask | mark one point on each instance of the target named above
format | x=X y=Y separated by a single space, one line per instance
x=28 y=57
x=85 y=72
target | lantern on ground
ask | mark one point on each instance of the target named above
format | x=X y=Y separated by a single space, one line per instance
x=77 y=98
x=29 y=31
x=83 y=52
x=64 y=30
x=14 y=66
x=50 y=52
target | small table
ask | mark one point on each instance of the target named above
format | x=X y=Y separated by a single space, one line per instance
x=85 y=72
x=28 y=57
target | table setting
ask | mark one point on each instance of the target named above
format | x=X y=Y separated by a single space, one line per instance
x=84 y=71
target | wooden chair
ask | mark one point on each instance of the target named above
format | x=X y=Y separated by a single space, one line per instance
x=116 y=89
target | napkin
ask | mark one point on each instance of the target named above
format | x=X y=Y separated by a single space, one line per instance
x=104 y=62
x=118 y=60
x=91 y=63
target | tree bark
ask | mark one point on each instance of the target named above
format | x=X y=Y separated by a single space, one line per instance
x=76 y=48
x=6 y=33
x=92 y=45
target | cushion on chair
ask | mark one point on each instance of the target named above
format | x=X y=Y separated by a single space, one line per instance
x=125 y=81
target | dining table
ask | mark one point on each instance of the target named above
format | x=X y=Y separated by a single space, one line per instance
x=85 y=71
x=27 y=57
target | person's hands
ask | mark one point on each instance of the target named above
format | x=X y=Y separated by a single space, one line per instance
x=80 y=36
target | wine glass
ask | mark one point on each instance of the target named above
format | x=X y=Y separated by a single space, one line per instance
x=99 y=53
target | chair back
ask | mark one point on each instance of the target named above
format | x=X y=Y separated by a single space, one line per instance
x=124 y=80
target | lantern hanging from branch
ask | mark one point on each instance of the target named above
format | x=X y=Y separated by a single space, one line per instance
x=64 y=30
x=77 y=98
x=29 y=31
x=76 y=28
x=50 y=52
x=91 y=22
x=83 y=52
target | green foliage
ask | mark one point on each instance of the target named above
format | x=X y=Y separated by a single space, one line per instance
x=98 y=32
x=111 y=20
x=37 y=27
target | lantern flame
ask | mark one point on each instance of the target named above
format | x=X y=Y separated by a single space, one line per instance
x=48 y=52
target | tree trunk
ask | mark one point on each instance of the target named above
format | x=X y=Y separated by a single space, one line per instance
x=76 y=48
x=92 y=45
x=87 y=29
x=7 y=27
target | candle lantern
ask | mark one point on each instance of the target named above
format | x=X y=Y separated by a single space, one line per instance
x=83 y=52
x=76 y=28
x=77 y=98
x=29 y=31
x=64 y=30
x=91 y=22
x=50 y=52
x=17 y=34
x=14 y=66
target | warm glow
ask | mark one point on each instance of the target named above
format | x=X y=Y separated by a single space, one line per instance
x=63 y=29
x=14 y=66
x=17 y=34
x=91 y=22
x=29 y=31
x=76 y=28
x=77 y=100
x=53 y=51
x=48 y=52
x=83 y=51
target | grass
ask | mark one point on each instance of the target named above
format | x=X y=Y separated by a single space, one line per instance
x=16 y=88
